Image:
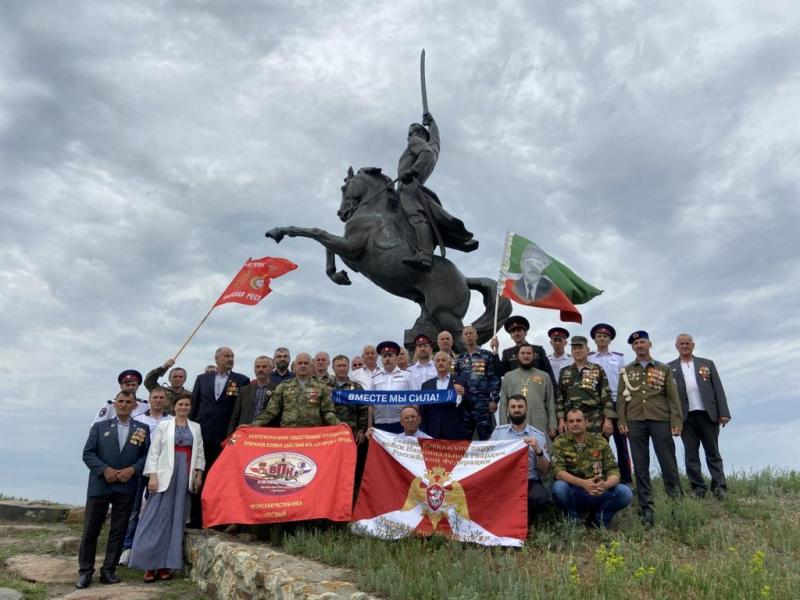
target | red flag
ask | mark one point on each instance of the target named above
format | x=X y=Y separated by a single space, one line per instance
x=251 y=283
x=474 y=492
x=270 y=475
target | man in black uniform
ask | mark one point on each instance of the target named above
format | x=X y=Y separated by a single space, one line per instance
x=517 y=327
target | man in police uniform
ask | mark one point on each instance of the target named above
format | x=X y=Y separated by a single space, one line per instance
x=423 y=369
x=587 y=477
x=650 y=409
x=537 y=389
x=558 y=359
x=177 y=377
x=389 y=378
x=481 y=369
x=612 y=363
x=584 y=385
x=129 y=381
x=538 y=459
x=518 y=327
x=303 y=401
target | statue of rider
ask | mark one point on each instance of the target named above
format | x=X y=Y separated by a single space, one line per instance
x=420 y=204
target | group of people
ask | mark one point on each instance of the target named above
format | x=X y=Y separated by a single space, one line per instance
x=564 y=406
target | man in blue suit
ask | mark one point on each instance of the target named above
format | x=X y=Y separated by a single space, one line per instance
x=446 y=421
x=705 y=409
x=115 y=453
x=213 y=398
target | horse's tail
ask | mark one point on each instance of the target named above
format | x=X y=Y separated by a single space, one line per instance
x=484 y=324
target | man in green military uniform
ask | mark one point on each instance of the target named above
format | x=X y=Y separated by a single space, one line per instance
x=177 y=377
x=300 y=402
x=587 y=476
x=584 y=385
x=356 y=417
x=648 y=407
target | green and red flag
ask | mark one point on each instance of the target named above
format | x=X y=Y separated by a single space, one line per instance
x=530 y=276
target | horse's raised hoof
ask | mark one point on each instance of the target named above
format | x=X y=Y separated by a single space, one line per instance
x=341 y=278
x=276 y=234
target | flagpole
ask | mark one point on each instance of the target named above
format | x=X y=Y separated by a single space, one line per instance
x=500 y=278
x=189 y=339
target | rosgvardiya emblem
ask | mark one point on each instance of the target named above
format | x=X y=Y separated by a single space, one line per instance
x=437 y=493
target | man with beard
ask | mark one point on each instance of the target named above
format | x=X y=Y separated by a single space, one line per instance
x=535 y=386
x=518 y=327
x=480 y=368
x=650 y=409
x=587 y=477
x=390 y=378
x=303 y=401
x=423 y=369
x=281 y=373
x=253 y=398
x=177 y=378
x=538 y=460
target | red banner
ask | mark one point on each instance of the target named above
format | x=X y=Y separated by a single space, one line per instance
x=268 y=475
x=473 y=492
x=251 y=283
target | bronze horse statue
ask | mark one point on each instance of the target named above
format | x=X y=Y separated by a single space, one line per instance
x=377 y=235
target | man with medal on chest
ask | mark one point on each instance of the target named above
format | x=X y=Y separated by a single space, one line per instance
x=584 y=385
x=481 y=369
x=649 y=408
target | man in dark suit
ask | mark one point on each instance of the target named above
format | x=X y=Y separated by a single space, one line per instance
x=213 y=398
x=705 y=408
x=446 y=421
x=115 y=453
x=254 y=397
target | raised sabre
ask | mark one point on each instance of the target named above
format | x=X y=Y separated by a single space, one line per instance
x=422 y=83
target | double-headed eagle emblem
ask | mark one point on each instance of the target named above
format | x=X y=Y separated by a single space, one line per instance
x=437 y=495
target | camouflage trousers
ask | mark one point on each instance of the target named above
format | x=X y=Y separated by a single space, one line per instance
x=479 y=420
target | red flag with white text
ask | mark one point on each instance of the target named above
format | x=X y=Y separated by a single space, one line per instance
x=272 y=475
x=470 y=491
x=251 y=283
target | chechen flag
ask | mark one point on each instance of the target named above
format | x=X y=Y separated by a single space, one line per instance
x=530 y=276
x=251 y=283
x=470 y=491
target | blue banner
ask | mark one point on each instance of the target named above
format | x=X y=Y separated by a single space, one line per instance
x=394 y=397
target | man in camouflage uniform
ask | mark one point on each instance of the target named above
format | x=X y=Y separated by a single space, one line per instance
x=303 y=401
x=584 y=385
x=322 y=361
x=354 y=416
x=480 y=368
x=649 y=408
x=587 y=476
x=177 y=377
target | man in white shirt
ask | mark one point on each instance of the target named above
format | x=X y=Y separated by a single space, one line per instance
x=364 y=375
x=423 y=369
x=705 y=410
x=390 y=378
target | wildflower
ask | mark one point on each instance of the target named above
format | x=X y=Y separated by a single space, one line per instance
x=574 y=576
x=766 y=592
x=757 y=562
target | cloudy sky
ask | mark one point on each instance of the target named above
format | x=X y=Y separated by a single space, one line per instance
x=147 y=146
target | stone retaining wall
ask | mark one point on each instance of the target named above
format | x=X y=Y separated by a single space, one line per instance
x=231 y=570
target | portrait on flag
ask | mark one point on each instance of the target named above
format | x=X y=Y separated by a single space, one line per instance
x=268 y=475
x=530 y=276
x=470 y=491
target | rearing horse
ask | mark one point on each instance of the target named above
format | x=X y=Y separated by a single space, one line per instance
x=377 y=235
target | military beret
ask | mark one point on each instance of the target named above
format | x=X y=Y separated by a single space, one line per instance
x=638 y=335
x=128 y=375
x=558 y=332
x=516 y=321
x=603 y=328
x=390 y=346
x=579 y=340
x=423 y=339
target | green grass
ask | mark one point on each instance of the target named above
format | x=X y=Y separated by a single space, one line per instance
x=745 y=547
